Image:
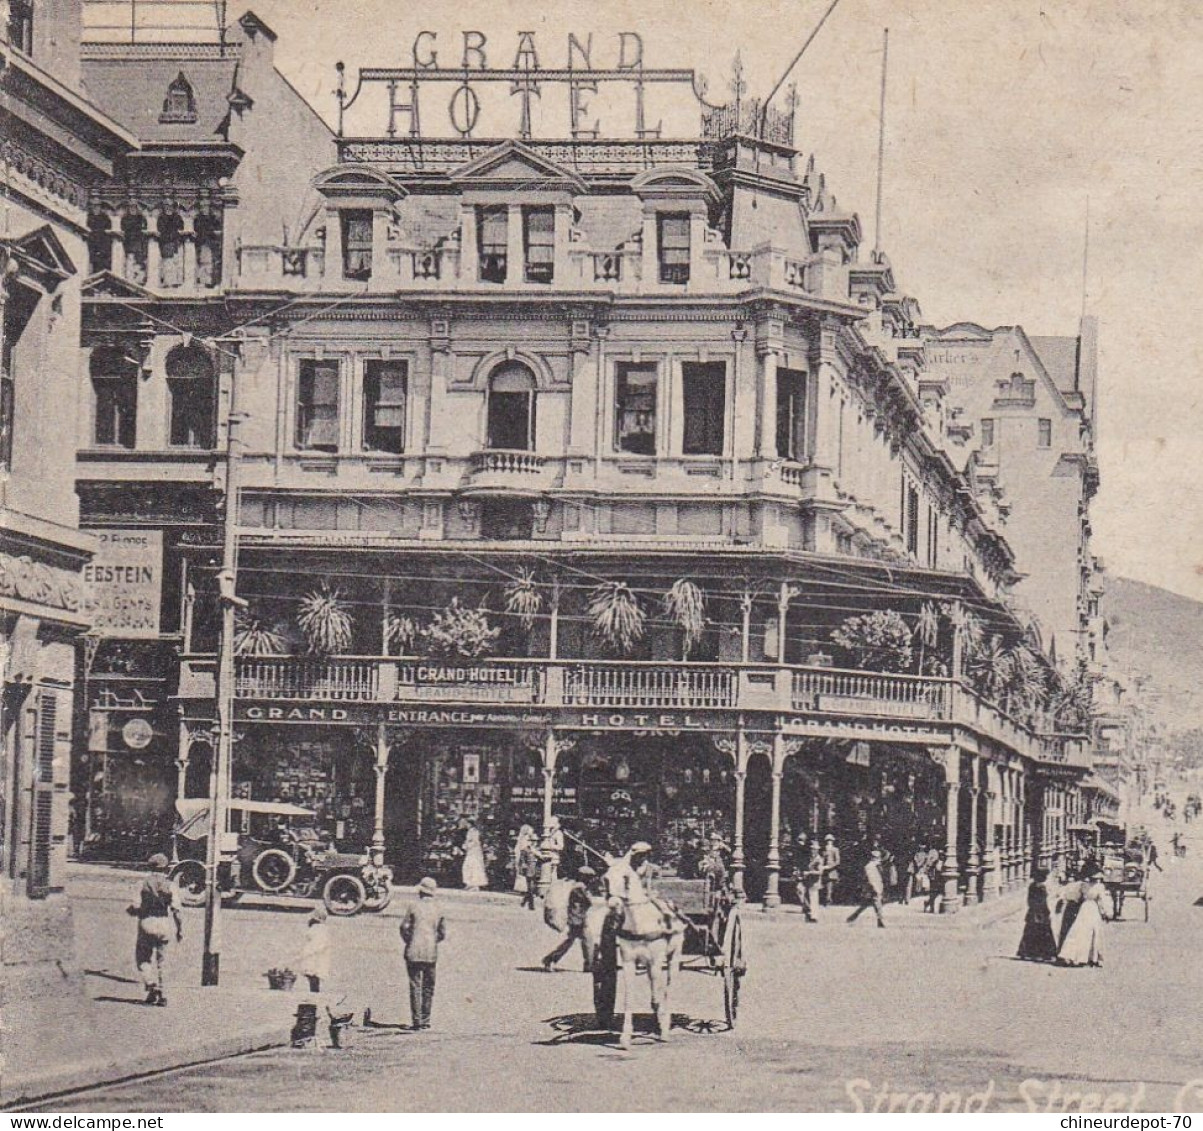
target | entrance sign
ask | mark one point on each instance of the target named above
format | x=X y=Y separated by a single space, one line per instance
x=525 y=77
x=123 y=583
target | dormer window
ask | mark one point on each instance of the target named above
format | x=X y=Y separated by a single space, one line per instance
x=180 y=104
x=492 y=227
x=539 y=238
x=673 y=247
x=357 y=244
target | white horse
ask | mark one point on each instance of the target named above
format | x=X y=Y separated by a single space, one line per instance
x=649 y=934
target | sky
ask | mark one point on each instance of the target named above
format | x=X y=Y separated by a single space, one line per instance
x=1007 y=123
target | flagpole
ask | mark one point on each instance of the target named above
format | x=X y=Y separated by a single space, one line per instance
x=881 y=138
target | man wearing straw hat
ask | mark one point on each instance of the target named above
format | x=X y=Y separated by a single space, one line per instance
x=423 y=928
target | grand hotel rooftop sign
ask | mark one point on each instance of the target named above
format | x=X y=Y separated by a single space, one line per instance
x=445 y=82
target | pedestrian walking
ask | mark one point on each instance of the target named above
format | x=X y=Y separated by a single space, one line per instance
x=423 y=928
x=473 y=872
x=315 y=955
x=580 y=899
x=1038 y=943
x=1068 y=904
x=874 y=889
x=1083 y=944
x=934 y=877
x=158 y=913
x=812 y=879
x=529 y=866
x=831 y=868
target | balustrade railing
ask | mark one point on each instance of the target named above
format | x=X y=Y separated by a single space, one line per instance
x=339 y=680
x=632 y=685
x=869 y=693
x=508 y=462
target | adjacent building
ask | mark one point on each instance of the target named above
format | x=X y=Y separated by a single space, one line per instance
x=603 y=475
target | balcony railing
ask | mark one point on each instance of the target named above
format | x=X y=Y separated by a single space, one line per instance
x=631 y=685
x=505 y=462
x=812 y=691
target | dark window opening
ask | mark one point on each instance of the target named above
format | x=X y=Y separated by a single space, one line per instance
x=674 y=247
x=704 y=392
x=492 y=231
x=635 y=410
x=133 y=235
x=192 y=388
x=20 y=25
x=511 y=423
x=100 y=244
x=17 y=312
x=171 y=250
x=912 y=521
x=539 y=237
x=384 y=392
x=791 y=415
x=115 y=385
x=208 y=250
x=357 y=245
x=987 y=433
x=1046 y=433
x=317 y=406
x=506 y=519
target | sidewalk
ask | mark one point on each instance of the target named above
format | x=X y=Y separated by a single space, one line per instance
x=63 y=1046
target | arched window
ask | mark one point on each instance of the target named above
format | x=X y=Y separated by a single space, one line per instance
x=190 y=385
x=115 y=386
x=171 y=250
x=511 y=425
x=179 y=105
x=208 y=249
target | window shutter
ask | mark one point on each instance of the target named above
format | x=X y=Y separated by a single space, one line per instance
x=42 y=816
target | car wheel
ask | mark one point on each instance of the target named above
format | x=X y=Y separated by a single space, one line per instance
x=344 y=894
x=273 y=870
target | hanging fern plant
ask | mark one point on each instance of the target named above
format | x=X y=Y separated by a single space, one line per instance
x=254 y=638
x=617 y=616
x=685 y=604
x=459 y=631
x=325 y=619
x=523 y=599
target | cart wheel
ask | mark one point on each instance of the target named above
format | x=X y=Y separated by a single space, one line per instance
x=344 y=894
x=189 y=876
x=605 y=977
x=273 y=870
x=734 y=967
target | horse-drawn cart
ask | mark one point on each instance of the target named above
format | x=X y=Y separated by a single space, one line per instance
x=1122 y=854
x=712 y=942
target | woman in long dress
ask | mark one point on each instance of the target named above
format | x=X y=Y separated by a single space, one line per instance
x=474 y=874
x=522 y=846
x=1083 y=945
x=1038 y=942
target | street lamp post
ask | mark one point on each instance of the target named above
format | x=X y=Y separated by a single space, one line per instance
x=219 y=777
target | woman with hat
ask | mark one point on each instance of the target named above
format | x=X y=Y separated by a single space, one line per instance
x=1083 y=945
x=157 y=909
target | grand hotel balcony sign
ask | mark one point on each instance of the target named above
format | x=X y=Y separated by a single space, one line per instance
x=458 y=86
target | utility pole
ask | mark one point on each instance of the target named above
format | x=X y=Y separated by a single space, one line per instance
x=219 y=777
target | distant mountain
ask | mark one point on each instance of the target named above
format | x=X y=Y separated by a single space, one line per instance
x=1159 y=634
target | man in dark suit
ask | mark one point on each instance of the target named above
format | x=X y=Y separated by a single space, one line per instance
x=422 y=928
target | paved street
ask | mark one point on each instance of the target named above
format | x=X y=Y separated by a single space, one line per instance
x=923 y=1007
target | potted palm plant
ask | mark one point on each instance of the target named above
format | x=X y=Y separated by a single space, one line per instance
x=522 y=597
x=253 y=637
x=617 y=617
x=400 y=630
x=459 y=631
x=325 y=619
x=685 y=605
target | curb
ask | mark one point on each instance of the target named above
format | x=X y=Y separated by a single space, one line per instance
x=22 y=1091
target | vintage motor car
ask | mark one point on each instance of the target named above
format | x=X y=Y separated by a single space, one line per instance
x=279 y=852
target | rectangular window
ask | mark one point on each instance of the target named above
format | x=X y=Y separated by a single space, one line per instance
x=116 y=411
x=912 y=521
x=539 y=238
x=384 y=390
x=673 y=231
x=791 y=415
x=492 y=233
x=1046 y=433
x=635 y=409
x=357 y=245
x=933 y=538
x=704 y=392
x=987 y=433
x=20 y=25
x=317 y=406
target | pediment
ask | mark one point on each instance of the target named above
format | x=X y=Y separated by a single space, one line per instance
x=358 y=181
x=678 y=182
x=41 y=255
x=104 y=284
x=964 y=331
x=513 y=163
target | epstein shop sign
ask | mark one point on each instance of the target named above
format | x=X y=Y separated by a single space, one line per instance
x=124 y=581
